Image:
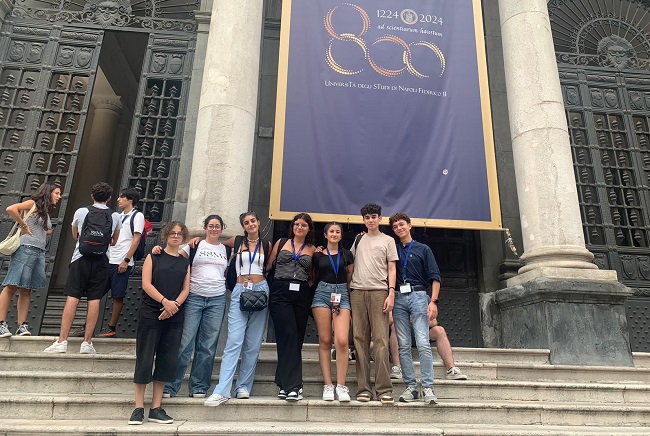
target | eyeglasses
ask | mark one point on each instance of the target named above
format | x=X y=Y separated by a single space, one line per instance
x=214 y=227
x=304 y=226
x=176 y=234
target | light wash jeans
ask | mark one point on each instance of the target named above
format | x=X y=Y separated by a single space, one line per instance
x=203 y=319
x=245 y=335
x=410 y=309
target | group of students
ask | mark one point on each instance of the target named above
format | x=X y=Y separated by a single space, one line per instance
x=184 y=300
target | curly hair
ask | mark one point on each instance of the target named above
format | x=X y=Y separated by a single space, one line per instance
x=166 y=231
x=101 y=192
x=370 y=209
x=399 y=216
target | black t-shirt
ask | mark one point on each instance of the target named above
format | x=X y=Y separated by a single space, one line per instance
x=167 y=276
x=324 y=270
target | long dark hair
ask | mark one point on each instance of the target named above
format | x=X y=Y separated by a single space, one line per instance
x=243 y=216
x=310 y=238
x=328 y=226
x=213 y=217
x=43 y=199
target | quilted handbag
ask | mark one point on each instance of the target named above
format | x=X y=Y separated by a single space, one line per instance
x=12 y=241
x=251 y=301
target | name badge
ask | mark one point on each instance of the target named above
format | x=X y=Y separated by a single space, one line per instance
x=294 y=287
x=335 y=298
x=248 y=285
x=405 y=288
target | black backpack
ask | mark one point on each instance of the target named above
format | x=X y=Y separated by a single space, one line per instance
x=96 y=232
x=142 y=245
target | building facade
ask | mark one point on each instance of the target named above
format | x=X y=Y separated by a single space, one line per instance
x=177 y=99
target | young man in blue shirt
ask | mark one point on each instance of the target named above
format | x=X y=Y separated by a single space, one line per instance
x=416 y=271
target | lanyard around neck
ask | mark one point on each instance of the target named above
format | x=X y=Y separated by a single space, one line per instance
x=405 y=261
x=338 y=263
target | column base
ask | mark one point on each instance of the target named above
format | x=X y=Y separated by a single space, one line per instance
x=581 y=321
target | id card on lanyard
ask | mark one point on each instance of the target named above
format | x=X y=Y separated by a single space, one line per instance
x=404 y=287
x=296 y=257
x=248 y=284
x=335 y=297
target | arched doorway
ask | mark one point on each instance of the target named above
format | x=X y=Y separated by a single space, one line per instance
x=54 y=56
x=603 y=54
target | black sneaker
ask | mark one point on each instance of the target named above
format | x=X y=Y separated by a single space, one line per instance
x=137 y=417
x=158 y=415
x=294 y=395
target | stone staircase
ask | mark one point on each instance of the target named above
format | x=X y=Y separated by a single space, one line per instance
x=510 y=392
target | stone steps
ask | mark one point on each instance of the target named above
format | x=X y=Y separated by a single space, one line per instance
x=104 y=363
x=224 y=428
x=82 y=406
x=112 y=383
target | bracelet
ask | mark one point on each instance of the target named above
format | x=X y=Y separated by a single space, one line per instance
x=391 y=287
x=163 y=299
x=22 y=226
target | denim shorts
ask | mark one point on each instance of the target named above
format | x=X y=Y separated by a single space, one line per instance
x=26 y=268
x=323 y=295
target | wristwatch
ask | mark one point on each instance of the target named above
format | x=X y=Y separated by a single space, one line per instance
x=127 y=259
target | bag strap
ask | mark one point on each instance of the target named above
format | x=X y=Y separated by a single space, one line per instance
x=356 y=241
x=193 y=251
x=30 y=212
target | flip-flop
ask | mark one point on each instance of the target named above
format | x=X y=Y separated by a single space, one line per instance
x=386 y=399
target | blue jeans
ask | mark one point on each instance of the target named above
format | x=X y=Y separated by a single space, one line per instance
x=410 y=309
x=245 y=335
x=203 y=319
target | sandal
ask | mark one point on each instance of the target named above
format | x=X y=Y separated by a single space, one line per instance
x=364 y=397
x=386 y=399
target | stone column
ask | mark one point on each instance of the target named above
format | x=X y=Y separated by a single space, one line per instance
x=560 y=299
x=225 y=128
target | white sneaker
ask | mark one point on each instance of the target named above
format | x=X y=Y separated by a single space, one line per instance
x=429 y=396
x=455 y=374
x=242 y=394
x=87 y=348
x=328 y=393
x=57 y=347
x=215 y=400
x=342 y=394
x=396 y=372
x=167 y=395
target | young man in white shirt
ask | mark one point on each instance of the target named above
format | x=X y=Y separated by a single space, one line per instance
x=88 y=273
x=120 y=257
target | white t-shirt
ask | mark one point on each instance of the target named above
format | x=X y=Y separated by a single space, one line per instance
x=117 y=253
x=78 y=221
x=208 y=275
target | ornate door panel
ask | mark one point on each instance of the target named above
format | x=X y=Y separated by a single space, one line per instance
x=46 y=77
x=603 y=51
x=155 y=144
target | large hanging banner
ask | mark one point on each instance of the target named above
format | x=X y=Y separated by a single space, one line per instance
x=384 y=101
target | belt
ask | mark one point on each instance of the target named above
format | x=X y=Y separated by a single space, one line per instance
x=419 y=288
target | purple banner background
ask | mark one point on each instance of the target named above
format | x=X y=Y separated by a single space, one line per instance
x=410 y=144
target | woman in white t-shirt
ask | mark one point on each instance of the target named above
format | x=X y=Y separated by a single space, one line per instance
x=204 y=310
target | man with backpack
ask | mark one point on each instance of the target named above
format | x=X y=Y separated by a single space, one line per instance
x=95 y=228
x=122 y=257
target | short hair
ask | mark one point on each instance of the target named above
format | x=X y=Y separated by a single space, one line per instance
x=399 y=216
x=131 y=194
x=209 y=218
x=101 y=192
x=370 y=209
x=170 y=226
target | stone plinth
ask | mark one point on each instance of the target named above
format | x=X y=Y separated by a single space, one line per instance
x=582 y=322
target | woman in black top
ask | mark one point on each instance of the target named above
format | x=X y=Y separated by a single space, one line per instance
x=333 y=269
x=289 y=303
x=166 y=284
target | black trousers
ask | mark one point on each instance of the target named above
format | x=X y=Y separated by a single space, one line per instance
x=156 y=340
x=290 y=313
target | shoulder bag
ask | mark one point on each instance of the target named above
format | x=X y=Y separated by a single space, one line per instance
x=12 y=241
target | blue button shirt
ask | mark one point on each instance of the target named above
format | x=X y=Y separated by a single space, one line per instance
x=421 y=269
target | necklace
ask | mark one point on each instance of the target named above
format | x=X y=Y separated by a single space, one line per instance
x=253 y=241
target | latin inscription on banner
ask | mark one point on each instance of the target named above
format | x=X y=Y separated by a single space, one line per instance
x=384 y=101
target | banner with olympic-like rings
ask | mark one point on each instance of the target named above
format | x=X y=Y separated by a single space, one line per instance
x=384 y=101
